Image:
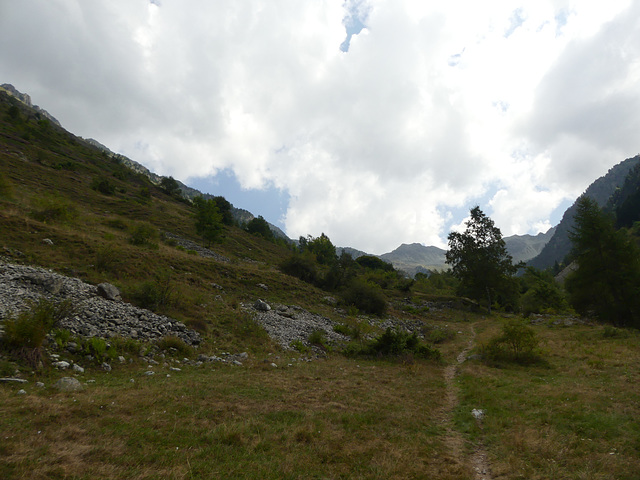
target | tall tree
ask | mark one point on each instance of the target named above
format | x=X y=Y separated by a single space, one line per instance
x=479 y=259
x=208 y=220
x=607 y=280
x=259 y=226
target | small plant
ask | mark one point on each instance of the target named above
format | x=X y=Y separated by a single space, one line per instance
x=156 y=294
x=395 y=343
x=365 y=296
x=174 y=344
x=103 y=185
x=107 y=259
x=6 y=189
x=143 y=234
x=517 y=343
x=25 y=334
x=54 y=209
x=613 y=332
x=61 y=337
x=299 y=346
x=318 y=337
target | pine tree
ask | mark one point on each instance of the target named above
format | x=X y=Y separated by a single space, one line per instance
x=479 y=259
x=607 y=280
x=208 y=220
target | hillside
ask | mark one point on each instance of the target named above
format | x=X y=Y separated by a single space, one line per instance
x=207 y=361
x=600 y=190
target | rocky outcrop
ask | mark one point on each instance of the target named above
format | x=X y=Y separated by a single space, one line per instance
x=95 y=316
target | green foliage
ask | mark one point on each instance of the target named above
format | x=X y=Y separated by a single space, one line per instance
x=175 y=344
x=321 y=247
x=107 y=258
x=208 y=220
x=259 y=226
x=365 y=296
x=224 y=207
x=374 y=263
x=517 y=343
x=607 y=280
x=143 y=234
x=394 y=343
x=479 y=259
x=99 y=349
x=299 y=346
x=6 y=188
x=52 y=208
x=318 y=337
x=25 y=333
x=156 y=294
x=103 y=185
x=170 y=186
x=300 y=266
x=541 y=293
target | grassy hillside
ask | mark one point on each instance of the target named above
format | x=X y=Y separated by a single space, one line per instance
x=570 y=414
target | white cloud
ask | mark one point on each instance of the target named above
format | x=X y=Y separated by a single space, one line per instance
x=430 y=110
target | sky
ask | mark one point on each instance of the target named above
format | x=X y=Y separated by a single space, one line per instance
x=376 y=122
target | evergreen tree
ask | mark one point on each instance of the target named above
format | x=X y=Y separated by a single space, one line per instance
x=259 y=226
x=607 y=280
x=208 y=220
x=479 y=259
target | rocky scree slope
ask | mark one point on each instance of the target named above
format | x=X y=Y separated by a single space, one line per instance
x=94 y=316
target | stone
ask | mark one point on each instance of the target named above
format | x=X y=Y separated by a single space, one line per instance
x=262 y=286
x=261 y=306
x=477 y=413
x=22 y=392
x=106 y=367
x=47 y=241
x=12 y=379
x=109 y=292
x=62 y=365
x=68 y=384
x=77 y=368
x=39 y=384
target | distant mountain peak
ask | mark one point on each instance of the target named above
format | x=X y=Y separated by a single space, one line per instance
x=26 y=99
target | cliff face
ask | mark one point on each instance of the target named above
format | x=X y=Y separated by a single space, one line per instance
x=26 y=99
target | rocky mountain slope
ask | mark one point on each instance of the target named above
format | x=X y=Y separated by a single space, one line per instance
x=601 y=190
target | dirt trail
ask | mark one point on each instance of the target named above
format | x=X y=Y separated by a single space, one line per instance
x=454 y=439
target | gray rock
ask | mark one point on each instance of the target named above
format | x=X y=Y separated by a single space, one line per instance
x=68 y=384
x=13 y=380
x=261 y=306
x=77 y=368
x=108 y=291
x=62 y=365
x=106 y=367
x=22 y=392
x=262 y=286
x=47 y=241
x=39 y=384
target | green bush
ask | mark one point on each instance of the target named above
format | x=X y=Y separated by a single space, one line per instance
x=394 y=343
x=143 y=234
x=54 y=209
x=173 y=343
x=318 y=337
x=99 y=349
x=299 y=346
x=155 y=294
x=103 y=185
x=25 y=333
x=517 y=343
x=301 y=266
x=365 y=296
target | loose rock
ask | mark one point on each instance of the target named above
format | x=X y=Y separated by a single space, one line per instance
x=68 y=384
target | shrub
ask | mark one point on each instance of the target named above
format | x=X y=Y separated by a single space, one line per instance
x=173 y=343
x=318 y=337
x=300 y=266
x=99 y=349
x=517 y=343
x=25 y=334
x=6 y=189
x=143 y=234
x=54 y=209
x=103 y=185
x=299 y=346
x=107 y=259
x=155 y=294
x=365 y=296
x=394 y=343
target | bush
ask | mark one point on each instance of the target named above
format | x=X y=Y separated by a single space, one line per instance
x=25 y=334
x=394 y=343
x=143 y=234
x=175 y=344
x=300 y=266
x=318 y=337
x=54 y=209
x=155 y=294
x=6 y=189
x=517 y=343
x=103 y=185
x=366 y=297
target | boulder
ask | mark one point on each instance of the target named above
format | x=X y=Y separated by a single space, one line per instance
x=108 y=291
x=68 y=384
x=261 y=306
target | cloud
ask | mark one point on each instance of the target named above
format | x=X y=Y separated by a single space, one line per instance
x=517 y=105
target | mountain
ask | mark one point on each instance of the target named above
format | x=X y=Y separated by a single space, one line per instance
x=26 y=99
x=525 y=247
x=601 y=191
x=416 y=258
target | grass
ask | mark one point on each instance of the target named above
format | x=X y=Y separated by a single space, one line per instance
x=572 y=416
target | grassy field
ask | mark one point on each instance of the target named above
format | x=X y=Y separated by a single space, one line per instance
x=573 y=417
